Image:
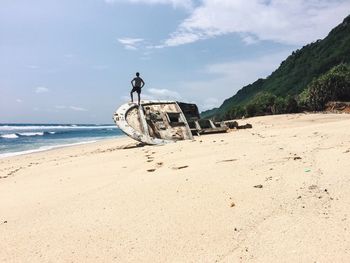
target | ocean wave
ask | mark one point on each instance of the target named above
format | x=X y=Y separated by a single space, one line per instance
x=9 y=136
x=30 y=133
x=53 y=127
x=24 y=134
x=43 y=148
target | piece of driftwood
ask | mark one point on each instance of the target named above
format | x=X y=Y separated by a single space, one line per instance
x=245 y=126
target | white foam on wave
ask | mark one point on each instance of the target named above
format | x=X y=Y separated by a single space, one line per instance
x=16 y=135
x=9 y=136
x=43 y=148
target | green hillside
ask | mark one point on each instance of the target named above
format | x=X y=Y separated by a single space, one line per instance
x=295 y=73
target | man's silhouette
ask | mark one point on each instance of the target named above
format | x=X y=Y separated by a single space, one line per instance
x=137 y=84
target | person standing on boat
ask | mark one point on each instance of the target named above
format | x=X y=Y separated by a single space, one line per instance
x=137 y=84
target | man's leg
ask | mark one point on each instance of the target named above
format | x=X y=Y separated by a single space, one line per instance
x=139 y=98
x=132 y=99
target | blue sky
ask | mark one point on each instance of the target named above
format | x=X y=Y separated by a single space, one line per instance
x=66 y=61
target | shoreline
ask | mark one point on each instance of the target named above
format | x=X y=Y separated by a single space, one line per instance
x=95 y=140
x=53 y=147
x=276 y=192
x=42 y=149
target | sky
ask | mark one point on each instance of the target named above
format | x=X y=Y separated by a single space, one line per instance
x=64 y=61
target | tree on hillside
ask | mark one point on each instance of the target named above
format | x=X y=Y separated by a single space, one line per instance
x=291 y=105
x=262 y=104
x=334 y=85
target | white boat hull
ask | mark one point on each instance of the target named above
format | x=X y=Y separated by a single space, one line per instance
x=153 y=122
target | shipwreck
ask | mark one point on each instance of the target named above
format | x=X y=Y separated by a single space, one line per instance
x=160 y=122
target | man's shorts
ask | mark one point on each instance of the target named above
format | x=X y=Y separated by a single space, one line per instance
x=137 y=89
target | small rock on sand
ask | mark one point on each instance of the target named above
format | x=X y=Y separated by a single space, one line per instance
x=258 y=186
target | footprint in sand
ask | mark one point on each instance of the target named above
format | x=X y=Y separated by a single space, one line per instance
x=228 y=160
x=150 y=158
x=159 y=164
x=14 y=171
x=179 y=167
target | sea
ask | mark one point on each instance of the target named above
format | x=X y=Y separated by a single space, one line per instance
x=17 y=139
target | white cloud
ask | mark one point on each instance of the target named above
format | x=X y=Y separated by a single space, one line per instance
x=130 y=43
x=175 y=3
x=41 y=90
x=182 y=37
x=19 y=100
x=75 y=108
x=284 y=21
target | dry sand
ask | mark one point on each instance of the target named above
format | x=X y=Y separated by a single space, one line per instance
x=279 y=192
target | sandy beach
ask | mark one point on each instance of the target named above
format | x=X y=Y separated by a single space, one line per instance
x=278 y=192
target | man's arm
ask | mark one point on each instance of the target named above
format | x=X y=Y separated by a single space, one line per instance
x=143 y=83
x=132 y=83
